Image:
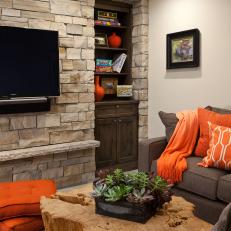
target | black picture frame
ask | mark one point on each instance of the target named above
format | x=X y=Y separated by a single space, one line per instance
x=101 y=40
x=189 y=55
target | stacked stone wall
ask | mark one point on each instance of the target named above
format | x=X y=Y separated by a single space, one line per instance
x=72 y=114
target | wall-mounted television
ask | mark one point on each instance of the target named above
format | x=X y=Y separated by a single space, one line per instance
x=29 y=62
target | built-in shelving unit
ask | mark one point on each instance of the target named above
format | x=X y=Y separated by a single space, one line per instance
x=123 y=11
x=116 y=123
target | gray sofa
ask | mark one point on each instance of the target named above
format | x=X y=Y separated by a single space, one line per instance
x=209 y=189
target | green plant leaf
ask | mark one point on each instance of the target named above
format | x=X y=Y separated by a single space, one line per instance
x=117 y=193
x=99 y=190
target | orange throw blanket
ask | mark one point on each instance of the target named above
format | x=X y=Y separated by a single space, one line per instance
x=172 y=162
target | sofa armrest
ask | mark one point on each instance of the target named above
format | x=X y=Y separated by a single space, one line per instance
x=149 y=150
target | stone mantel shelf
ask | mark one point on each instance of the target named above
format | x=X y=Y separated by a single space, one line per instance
x=46 y=150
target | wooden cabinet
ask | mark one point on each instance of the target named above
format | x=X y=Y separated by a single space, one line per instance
x=116 y=128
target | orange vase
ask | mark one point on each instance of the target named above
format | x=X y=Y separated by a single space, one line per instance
x=114 y=40
x=99 y=91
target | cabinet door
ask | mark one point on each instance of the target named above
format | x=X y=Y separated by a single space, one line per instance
x=105 y=132
x=127 y=137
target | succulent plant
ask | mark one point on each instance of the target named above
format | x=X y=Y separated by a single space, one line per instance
x=158 y=184
x=138 y=188
x=160 y=190
x=99 y=190
x=140 y=196
x=109 y=181
x=116 y=178
x=139 y=180
x=102 y=173
x=117 y=193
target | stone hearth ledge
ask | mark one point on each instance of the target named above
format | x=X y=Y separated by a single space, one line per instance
x=46 y=150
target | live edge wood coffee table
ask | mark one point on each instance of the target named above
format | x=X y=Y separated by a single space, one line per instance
x=75 y=211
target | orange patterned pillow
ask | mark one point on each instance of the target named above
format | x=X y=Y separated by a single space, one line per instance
x=219 y=152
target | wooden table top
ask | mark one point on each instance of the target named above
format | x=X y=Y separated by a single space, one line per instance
x=75 y=211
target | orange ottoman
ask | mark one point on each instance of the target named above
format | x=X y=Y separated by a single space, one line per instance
x=21 y=199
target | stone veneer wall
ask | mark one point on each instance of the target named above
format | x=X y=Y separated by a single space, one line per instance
x=140 y=60
x=72 y=114
x=67 y=169
x=71 y=117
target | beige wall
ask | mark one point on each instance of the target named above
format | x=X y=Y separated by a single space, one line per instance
x=175 y=90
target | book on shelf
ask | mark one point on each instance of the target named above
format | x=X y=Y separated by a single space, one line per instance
x=106 y=23
x=118 y=62
x=103 y=65
x=108 y=19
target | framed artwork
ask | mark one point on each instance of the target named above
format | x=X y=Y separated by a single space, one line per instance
x=109 y=85
x=101 y=40
x=183 y=49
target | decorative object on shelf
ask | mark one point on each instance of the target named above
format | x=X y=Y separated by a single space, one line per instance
x=105 y=23
x=99 y=91
x=109 y=85
x=118 y=62
x=103 y=65
x=105 y=15
x=183 y=49
x=124 y=90
x=101 y=40
x=114 y=40
x=106 y=18
x=134 y=196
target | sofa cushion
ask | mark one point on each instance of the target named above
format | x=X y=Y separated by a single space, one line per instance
x=34 y=223
x=219 y=152
x=202 y=181
x=224 y=188
x=22 y=198
x=204 y=116
x=169 y=120
x=219 y=110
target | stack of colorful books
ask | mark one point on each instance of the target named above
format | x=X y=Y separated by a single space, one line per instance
x=103 y=65
x=107 y=19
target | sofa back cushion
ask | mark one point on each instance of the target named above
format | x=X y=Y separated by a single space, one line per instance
x=218 y=110
x=204 y=116
x=169 y=120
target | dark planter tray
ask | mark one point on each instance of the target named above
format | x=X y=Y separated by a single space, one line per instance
x=125 y=210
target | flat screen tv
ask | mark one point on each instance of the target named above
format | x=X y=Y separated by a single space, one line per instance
x=29 y=63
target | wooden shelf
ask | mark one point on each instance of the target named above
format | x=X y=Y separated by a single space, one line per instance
x=113 y=27
x=111 y=49
x=111 y=73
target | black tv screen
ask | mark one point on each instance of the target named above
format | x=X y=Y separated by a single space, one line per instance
x=29 y=64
